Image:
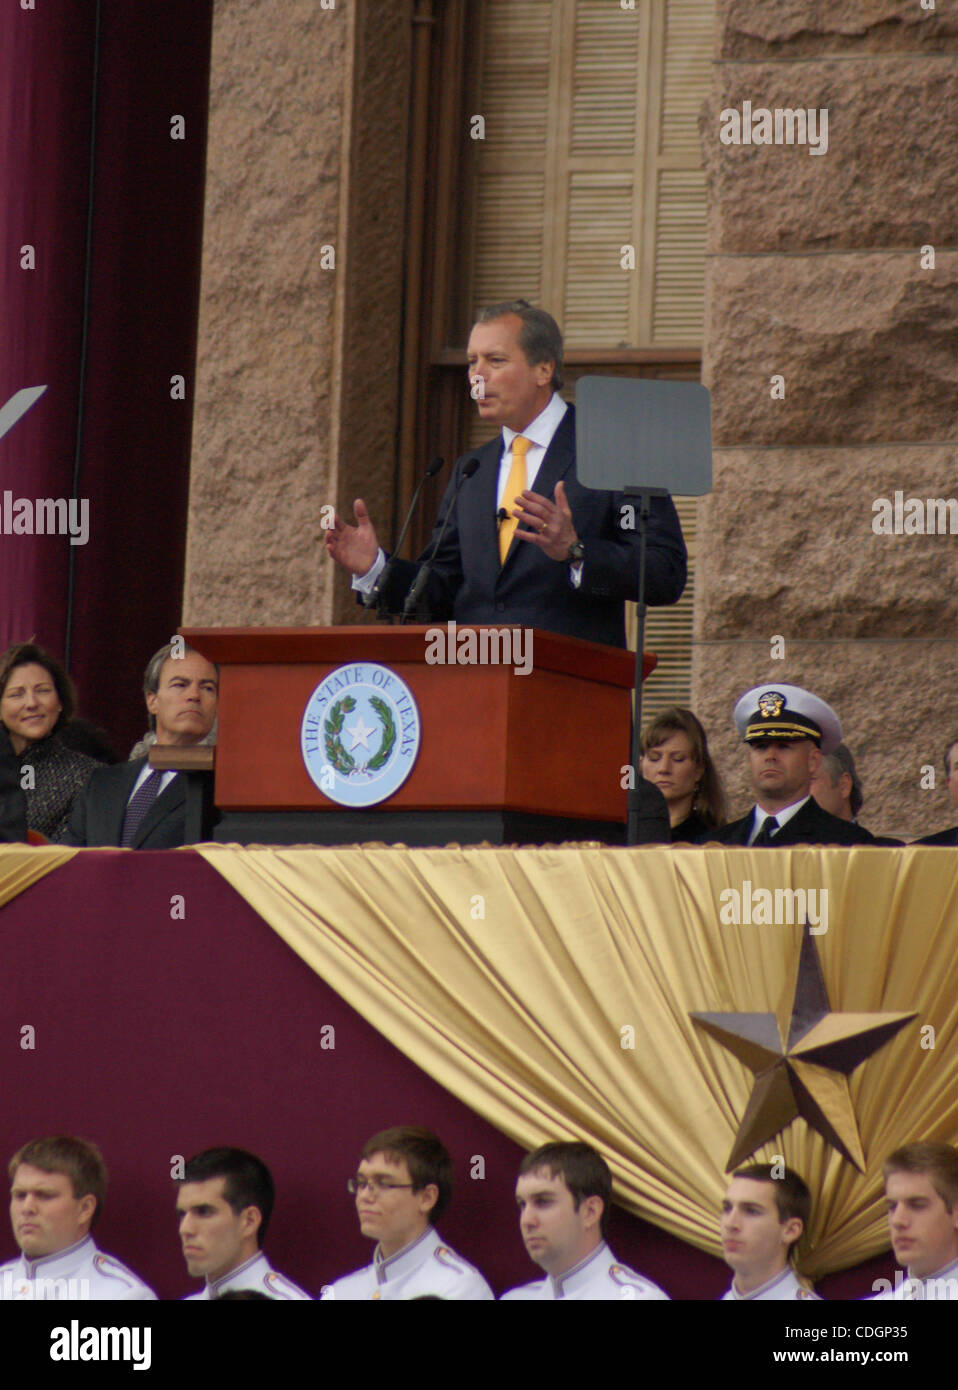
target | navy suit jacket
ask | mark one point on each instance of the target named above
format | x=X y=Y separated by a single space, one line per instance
x=809 y=826
x=941 y=837
x=469 y=584
x=97 y=815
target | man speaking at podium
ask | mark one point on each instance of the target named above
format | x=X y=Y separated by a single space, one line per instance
x=526 y=543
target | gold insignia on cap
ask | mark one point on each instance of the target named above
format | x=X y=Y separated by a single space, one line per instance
x=770 y=704
x=377 y=1295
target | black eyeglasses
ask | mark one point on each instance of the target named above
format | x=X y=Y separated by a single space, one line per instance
x=374 y=1184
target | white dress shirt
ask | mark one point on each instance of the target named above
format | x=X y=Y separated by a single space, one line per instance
x=759 y=817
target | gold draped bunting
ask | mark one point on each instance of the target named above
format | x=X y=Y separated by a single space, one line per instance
x=20 y=866
x=514 y=976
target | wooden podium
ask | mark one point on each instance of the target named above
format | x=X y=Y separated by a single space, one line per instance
x=504 y=757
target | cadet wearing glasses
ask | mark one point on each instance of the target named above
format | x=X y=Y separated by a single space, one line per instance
x=402 y=1187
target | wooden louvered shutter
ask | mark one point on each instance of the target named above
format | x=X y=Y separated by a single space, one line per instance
x=591 y=146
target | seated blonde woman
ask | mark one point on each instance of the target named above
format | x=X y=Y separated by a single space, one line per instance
x=675 y=756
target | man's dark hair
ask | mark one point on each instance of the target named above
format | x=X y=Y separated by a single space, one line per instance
x=583 y=1170
x=792 y=1197
x=154 y=668
x=937 y=1162
x=425 y=1156
x=78 y=1159
x=249 y=1182
x=539 y=336
x=29 y=654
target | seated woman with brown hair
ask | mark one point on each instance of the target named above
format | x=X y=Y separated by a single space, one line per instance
x=36 y=699
x=675 y=756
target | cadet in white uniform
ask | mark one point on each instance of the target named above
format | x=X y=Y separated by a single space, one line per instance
x=785 y=1285
x=598 y=1276
x=921 y=1193
x=939 y=1287
x=402 y=1186
x=427 y=1266
x=564 y=1192
x=764 y=1214
x=56 y=1192
x=224 y=1203
x=256 y=1274
x=81 y=1272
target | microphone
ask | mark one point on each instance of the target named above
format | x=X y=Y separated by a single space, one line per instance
x=372 y=598
x=470 y=466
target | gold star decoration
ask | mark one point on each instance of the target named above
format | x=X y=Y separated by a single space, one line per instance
x=807 y=1075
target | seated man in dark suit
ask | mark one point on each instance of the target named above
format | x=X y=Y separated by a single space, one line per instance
x=836 y=786
x=131 y=805
x=786 y=730
x=526 y=543
x=947 y=837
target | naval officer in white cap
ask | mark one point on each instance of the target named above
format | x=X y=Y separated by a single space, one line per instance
x=564 y=1194
x=57 y=1185
x=786 y=730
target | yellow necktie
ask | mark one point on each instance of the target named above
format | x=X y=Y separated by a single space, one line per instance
x=515 y=483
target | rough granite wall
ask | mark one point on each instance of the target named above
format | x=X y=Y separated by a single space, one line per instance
x=815 y=274
x=297 y=361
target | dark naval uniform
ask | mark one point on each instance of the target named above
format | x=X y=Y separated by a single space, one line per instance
x=810 y=825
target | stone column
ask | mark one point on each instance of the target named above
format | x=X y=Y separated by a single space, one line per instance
x=831 y=350
x=298 y=359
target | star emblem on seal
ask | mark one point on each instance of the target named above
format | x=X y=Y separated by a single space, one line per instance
x=807 y=1075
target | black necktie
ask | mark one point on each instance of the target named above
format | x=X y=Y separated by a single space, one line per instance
x=137 y=807
x=764 y=836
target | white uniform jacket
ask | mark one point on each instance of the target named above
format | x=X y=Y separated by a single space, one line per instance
x=255 y=1273
x=784 y=1286
x=426 y=1266
x=598 y=1276
x=81 y=1271
x=942 y=1286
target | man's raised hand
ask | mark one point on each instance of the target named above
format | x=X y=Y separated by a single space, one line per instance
x=353 y=547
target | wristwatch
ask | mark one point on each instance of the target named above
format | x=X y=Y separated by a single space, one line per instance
x=576 y=553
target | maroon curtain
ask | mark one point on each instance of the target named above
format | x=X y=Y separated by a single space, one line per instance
x=168 y=1018
x=91 y=179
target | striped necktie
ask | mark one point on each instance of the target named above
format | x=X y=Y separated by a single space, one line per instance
x=138 y=806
